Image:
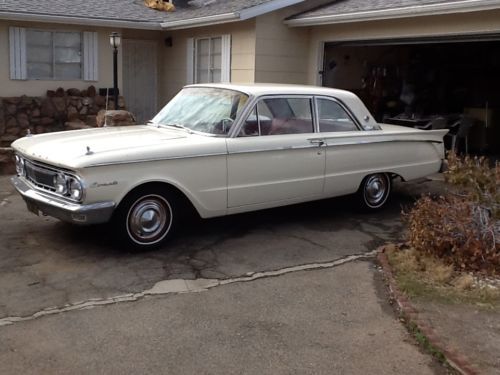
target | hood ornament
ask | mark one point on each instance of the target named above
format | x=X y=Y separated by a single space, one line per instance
x=89 y=152
x=28 y=133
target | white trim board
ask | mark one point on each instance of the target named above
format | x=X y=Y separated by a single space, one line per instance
x=463 y=6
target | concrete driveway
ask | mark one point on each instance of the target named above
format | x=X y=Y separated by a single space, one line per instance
x=290 y=290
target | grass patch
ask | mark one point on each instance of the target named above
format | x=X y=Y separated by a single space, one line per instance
x=424 y=342
x=425 y=277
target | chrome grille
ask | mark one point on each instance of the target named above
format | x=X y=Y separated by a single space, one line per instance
x=41 y=176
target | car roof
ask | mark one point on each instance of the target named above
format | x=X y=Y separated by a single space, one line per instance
x=259 y=89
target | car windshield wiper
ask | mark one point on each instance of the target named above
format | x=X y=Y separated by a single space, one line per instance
x=150 y=122
x=178 y=126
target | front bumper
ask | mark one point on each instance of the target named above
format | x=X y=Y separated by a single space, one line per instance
x=38 y=202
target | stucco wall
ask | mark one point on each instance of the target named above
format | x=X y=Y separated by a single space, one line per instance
x=173 y=73
x=444 y=25
x=10 y=87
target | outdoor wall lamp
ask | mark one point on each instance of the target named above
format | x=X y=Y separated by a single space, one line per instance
x=115 y=40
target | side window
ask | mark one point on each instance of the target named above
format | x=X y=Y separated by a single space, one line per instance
x=333 y=118
x=285 y=116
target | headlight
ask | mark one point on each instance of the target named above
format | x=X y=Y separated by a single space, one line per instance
x=75 y=189
x=61 y=184
x=19 y=165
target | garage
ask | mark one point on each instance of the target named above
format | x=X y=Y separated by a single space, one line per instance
x=426 y=83
x=418 y=63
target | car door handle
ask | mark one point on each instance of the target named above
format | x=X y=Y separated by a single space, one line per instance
x=317 y=142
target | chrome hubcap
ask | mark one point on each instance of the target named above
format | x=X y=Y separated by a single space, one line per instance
x=149 y=219
x=375 y=189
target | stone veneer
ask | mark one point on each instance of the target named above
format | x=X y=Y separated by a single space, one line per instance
x=59 y=110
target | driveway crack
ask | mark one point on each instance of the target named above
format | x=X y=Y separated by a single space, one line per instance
x=180 y=286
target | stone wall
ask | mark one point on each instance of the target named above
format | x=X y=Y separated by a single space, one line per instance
x=58 y=110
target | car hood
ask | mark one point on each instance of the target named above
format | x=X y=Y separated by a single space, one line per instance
x=110 y=145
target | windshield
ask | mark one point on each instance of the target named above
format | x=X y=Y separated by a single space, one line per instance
x=203 y=109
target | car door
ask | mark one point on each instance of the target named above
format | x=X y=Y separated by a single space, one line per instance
x=347 y=153
x=274 y=157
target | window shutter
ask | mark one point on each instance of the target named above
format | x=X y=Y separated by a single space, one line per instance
x=90 y=56
x=190 y=61
x=17 y=42
x=226 y=58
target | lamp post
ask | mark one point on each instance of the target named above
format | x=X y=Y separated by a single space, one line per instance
x=115 y=40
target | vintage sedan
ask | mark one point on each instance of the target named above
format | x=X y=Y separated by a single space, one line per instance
x=221 y=149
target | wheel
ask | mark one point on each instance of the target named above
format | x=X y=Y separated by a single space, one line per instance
x=147 y=218
x=374 y=191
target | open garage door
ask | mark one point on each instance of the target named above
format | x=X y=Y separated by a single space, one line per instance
x=411 y=81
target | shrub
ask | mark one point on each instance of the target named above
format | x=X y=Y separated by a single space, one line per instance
x=462 y=227
x=475 y=180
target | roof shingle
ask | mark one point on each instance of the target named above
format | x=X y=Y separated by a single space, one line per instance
x=121 y=10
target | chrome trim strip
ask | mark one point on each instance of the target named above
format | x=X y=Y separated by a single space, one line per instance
x=360 y=142
x=325 y=144
x=153 y=160
x=284 y=148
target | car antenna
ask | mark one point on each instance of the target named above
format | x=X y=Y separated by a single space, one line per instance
x=106 y=111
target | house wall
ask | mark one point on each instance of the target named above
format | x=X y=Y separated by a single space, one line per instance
x=173 y=71
x=443 y=25
x=280 y=52
x=39 y=87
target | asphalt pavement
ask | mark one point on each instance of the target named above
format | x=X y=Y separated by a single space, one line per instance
x=283 y=291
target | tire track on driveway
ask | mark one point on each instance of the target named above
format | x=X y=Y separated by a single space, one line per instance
x=179 y=286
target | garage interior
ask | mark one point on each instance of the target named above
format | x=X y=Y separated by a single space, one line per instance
x=432 y=83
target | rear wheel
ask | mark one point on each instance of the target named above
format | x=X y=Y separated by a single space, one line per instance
x=147 y=218
x=374 y=191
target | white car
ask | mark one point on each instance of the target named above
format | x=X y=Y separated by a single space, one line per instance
x=222 y=149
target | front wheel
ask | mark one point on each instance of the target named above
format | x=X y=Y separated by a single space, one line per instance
x=146 y=218
x=374 y=191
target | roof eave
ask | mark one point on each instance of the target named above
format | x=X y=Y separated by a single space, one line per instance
x=240 y=15
x=406 y=12
x=201 y=21
x=12 y=16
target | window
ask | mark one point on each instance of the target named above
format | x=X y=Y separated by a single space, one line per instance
x=279 y=116
x=53 y=55
x=333 y=118
x=209 y=59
